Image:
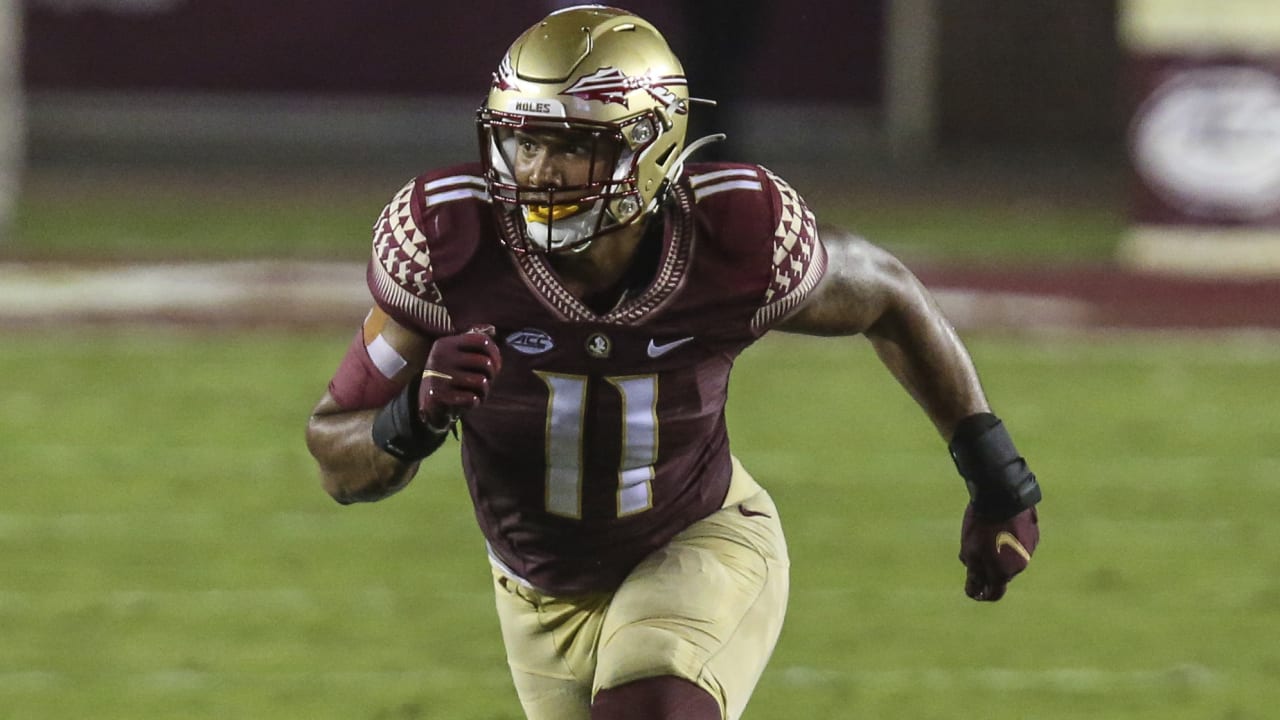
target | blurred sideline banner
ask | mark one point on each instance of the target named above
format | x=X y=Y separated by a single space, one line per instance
x=397 y=81
x=409 y=48
x=1204 y=137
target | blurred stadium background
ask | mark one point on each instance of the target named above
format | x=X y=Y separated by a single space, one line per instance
x=1092 y=188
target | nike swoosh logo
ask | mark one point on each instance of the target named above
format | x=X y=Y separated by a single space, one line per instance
x=656 y=350
x=1007 y=540
x=751 y=513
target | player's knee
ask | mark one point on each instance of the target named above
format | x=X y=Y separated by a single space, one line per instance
x=655 y=698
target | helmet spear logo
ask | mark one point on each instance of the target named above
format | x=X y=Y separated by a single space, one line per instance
x=611 y=85
x=505 y=78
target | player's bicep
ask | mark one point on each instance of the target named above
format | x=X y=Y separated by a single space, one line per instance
x=859 y=285
x=382 y=357
x=402 y=350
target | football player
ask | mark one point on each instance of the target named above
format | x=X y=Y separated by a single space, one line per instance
x=571 y=306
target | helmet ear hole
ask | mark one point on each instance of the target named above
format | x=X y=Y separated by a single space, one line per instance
x=666 y=155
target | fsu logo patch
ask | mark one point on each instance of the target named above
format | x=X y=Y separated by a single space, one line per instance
x=598 y=346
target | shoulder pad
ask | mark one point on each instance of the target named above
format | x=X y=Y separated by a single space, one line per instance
x=759 y=218
x=406 y=263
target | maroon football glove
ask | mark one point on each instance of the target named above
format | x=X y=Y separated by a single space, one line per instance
x=996 y=551
x=457 y=375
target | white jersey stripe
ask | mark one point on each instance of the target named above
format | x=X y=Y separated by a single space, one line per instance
x=700 y=193
x=454 y=180
x=460 y=194
x=696 y=180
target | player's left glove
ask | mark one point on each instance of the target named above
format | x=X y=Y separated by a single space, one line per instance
x=1000 y=529
x=994 y=552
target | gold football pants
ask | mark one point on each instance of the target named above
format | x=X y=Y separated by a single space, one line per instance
x=707 y=607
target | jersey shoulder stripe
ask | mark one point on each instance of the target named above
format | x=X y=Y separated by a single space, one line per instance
x=454 y=187
x=764 y=234
x=799 y=260
x=718 y=181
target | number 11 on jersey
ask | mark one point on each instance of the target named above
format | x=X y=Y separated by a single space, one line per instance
x=566 y=408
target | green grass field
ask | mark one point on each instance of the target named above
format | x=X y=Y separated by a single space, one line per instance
x=168 y=553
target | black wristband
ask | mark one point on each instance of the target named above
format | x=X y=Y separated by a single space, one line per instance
x=999 y=481
x=400 y=433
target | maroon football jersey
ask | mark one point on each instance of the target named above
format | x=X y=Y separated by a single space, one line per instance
x=604 y=435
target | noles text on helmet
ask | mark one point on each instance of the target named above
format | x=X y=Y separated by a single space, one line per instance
x=583 y=128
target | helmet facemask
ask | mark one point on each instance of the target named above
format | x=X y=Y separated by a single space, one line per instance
x=555 y=204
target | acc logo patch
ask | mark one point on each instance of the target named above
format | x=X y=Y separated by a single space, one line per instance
x=530 y=341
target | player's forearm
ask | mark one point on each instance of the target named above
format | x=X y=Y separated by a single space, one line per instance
x=922 y=350
x=352 y=468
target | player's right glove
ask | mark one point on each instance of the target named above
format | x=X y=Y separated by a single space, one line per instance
x=457 y=376
x=1000 y=530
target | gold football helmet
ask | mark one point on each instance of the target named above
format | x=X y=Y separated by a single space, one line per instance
x=605 y=83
